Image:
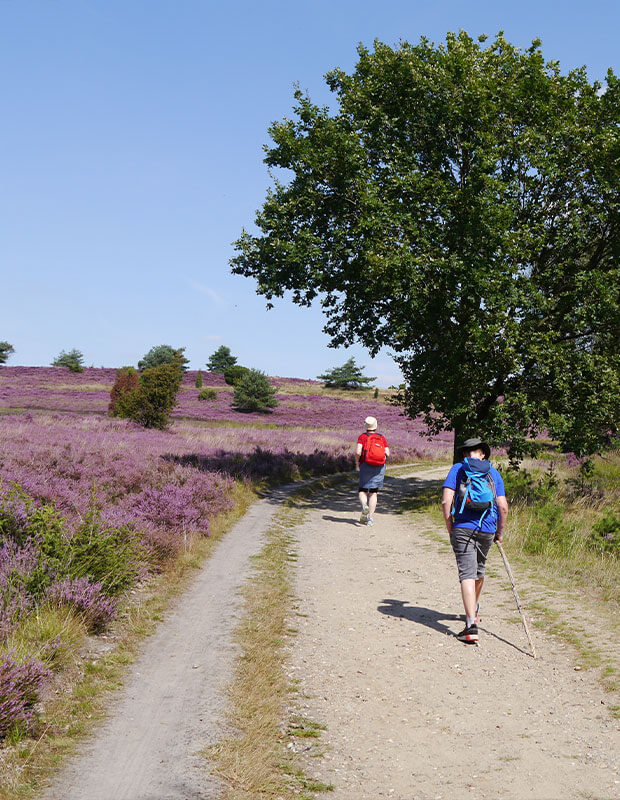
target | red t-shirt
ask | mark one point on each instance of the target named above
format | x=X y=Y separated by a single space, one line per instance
x=363 y=440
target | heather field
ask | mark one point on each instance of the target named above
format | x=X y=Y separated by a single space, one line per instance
x=90 y=505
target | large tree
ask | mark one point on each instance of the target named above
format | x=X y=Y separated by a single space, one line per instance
x=348 y=376
x=164 y=354
x=221 y=360
x=461 y=207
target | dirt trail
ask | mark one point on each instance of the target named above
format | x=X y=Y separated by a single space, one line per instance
x=171 y=708
x=410 y=711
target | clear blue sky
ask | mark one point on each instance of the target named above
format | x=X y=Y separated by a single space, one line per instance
x=131 y=158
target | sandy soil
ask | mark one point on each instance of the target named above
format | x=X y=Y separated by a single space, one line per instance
x=173 y=703
x=410 y=711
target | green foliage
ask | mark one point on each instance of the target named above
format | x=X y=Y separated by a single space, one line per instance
x=459 y=206
x=221 y=360
x=73 y=359
x=5 y=351
x=152 y=402
x=605 y=535
x=207 y=394
x=254 y=392
x=234 y=374
x=375 y=394
x=524 y=487
x=164 y=354
x=199 y=379
x=125 y=383
x=348 y=376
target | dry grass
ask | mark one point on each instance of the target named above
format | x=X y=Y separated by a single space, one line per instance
x=255 y=762
x=90 y=672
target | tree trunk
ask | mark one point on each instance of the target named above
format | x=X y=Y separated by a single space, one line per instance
x=458 y=441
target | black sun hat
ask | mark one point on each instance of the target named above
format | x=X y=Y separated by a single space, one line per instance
x=475 y=444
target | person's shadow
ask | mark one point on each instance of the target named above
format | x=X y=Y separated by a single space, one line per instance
x=432 y=619
x=341 y=519
x=419 y=614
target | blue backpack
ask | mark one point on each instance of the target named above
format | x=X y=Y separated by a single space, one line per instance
x=476 y=491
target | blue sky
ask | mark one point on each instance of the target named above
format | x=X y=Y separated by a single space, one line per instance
x=131 y=158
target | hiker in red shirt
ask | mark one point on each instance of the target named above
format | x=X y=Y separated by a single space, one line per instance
x=371 y=452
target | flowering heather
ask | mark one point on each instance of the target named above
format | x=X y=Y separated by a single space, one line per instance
x=20 y=685
x=87 y=598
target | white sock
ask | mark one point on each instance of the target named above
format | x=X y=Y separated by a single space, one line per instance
x=471 y=621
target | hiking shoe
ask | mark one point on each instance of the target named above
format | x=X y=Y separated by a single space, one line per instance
x=364 y=517
x=468 y=635
x=370 y=522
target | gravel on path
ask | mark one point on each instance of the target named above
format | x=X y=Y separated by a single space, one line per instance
x=411 y=712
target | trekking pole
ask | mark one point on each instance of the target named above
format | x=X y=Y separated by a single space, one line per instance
x=514 y=591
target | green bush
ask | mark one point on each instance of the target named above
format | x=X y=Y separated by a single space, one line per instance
x=530 y=489
x=605 y=535
x=199 y=379
x=254 y=392
x=550 y=532
x=152 y=402
x=234 y=374
x=207 y=394
x=126 y=382
x=164 y=354
x=74 y=360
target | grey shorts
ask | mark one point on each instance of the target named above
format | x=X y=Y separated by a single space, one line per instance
x=471 y=549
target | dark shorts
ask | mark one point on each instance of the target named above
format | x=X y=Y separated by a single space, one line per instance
x=471 y=549
x=371 y=476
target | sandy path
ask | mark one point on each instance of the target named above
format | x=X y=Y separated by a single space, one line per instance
x=410 y=711
x=171 y=708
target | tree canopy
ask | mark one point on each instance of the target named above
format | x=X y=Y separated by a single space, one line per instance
x=348 y=376
x=73 y=360
x=164 y=354
x=6 y=350
x=460 y=206
x=221 y=360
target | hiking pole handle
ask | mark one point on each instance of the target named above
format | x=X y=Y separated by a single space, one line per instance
x=516 y=596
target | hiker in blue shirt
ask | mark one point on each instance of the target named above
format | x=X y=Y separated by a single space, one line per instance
x=475 y=509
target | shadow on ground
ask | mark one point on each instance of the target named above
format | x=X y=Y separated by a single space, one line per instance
x=428 y=617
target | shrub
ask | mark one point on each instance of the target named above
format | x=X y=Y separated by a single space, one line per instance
x=234 y=374
x=164 y=354
x=207 y=394
x=254 y=392
x=126 y=382
x=20 y=685
x=74 y=360
x=152 y=402
x=199 y=379
x=605 y=535
x=87 y=598
x=348 y=376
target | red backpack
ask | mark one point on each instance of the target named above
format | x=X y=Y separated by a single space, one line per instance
x=374 y=452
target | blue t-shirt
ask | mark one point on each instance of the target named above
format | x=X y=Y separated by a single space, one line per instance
x=471 y=519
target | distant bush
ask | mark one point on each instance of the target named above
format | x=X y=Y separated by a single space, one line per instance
x=234 y=374
x=151 y=404
x=5 y=351
x=126 y=382
x=207 y=394
x=348 y=376
x=254 y=392
x=199 y=379
x=164 y=354
x=221 y=360
x=74 y=360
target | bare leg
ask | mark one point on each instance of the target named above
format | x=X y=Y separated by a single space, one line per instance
x=468 y=593
x=372 y=502
x=363 y=498
x=479 y=582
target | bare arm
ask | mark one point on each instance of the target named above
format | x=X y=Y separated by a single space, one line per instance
x=502 y=507
x=447 y=499
x=358 y=455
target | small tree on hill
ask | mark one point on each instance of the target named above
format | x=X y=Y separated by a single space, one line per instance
x=126 y=382
x=221 y=360
x=254 y=392
x=164 y=354
x=348 y=376
x=199 y=379
x=151 y=403
x=233 y=375
x=73 y=360
x=5 y=351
